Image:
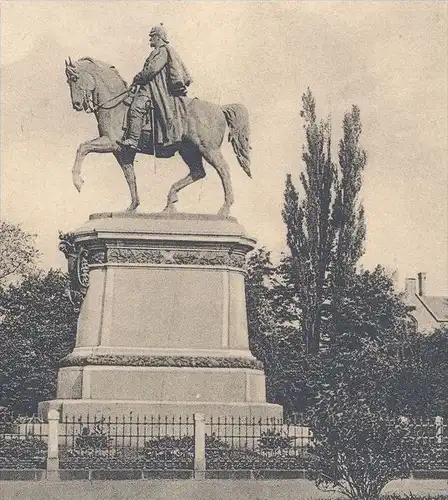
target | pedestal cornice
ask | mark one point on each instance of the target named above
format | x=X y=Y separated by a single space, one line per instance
x=161 y=239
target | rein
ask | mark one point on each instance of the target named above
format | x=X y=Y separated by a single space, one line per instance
x=101 y=105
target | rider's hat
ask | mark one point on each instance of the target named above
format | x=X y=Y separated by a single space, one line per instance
x=160 y=30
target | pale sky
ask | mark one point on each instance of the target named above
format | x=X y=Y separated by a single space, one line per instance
x=388 y=58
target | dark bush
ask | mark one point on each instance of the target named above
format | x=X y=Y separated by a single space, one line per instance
x=168 y=452
x=22 y=453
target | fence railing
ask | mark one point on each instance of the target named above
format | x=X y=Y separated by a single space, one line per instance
x=127 y=443
x=430 y=437
x=23 y=444
x=250 y=444
x=192 y=446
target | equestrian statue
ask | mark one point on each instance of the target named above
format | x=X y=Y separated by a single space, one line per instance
x=155 y=117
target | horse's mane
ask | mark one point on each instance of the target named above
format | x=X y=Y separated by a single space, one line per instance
x=106 y=72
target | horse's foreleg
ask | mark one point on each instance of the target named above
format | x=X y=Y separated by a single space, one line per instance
x=125 y=158
x=129 y=175
x=99 y=145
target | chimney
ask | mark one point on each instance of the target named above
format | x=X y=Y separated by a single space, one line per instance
x=422 y=284
x=410 y=286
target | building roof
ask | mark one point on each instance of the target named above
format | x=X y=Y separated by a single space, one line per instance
x=437 y=306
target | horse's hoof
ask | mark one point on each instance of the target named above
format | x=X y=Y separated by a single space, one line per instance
x=224 y=211
x=132 y=207
x=78 y=184
x=170 y=209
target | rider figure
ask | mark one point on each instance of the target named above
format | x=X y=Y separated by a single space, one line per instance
x=162 y=83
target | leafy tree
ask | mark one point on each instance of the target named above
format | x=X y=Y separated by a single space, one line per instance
x=260 y=315
x=18 y=254
x=309 y=232
x=376 y=371
x=371 y=312
x=368 y=309
x=37 y=329
x=266 y=325
x=316 y=293
x=325 y=230
x=361 y=443
x=421 y=381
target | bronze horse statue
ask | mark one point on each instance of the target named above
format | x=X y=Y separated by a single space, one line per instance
x=98 y=88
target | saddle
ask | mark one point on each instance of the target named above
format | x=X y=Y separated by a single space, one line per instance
x=146 y=141
x=167 y=136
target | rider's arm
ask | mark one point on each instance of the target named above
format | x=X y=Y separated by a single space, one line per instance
x=153 y=65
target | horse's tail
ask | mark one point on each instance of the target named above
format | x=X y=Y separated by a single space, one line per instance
x=237 y=119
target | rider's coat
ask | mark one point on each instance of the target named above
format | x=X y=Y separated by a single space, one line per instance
x=164 y=78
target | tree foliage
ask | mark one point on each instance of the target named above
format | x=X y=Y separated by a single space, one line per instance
x=368 y=309
x=375 y=367
x=37 y=329
x=18 y=254
x=270 y=335
x=309 y=232
x=260 y=314
x=376 y=371
x=348 y=213
x=421 y=381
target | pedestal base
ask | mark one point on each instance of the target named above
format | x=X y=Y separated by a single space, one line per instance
x=162 y=329
x=162 y=383
x=161 y=390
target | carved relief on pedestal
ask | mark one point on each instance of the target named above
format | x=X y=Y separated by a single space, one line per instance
x=78 y=268
x=157 y=361
x=97 y=256
x=176 y=257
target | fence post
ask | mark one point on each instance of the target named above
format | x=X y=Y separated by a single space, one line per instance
x=53 y=445
x=439 y=430
x=199 y=446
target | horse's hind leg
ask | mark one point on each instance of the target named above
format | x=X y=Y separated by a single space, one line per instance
x=126 y=161
x=193 y=159
x=217 y=160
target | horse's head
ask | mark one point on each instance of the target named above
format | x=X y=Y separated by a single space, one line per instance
x=82 y=85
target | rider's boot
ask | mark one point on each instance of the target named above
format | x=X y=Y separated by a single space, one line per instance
x=133 y=132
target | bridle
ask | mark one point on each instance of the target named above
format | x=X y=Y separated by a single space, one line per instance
x=89 y=94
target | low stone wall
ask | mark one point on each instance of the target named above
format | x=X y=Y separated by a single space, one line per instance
x=299 y=489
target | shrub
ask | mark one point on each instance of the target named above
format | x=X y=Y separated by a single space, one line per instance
x=22 y=453
x=273 y=440
x=274 y=450
x=169 y=452
x=359 y=444
x=95 y=438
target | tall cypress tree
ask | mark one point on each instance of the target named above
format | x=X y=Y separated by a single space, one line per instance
x=348 y=212
x=325 y=228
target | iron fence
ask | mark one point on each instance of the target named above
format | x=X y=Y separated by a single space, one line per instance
x=184 y=444
x=430 y=440
x=155 y=443
x=23 y=443
x=256 y=444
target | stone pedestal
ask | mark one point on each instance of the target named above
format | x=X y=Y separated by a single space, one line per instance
x=163 y=328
